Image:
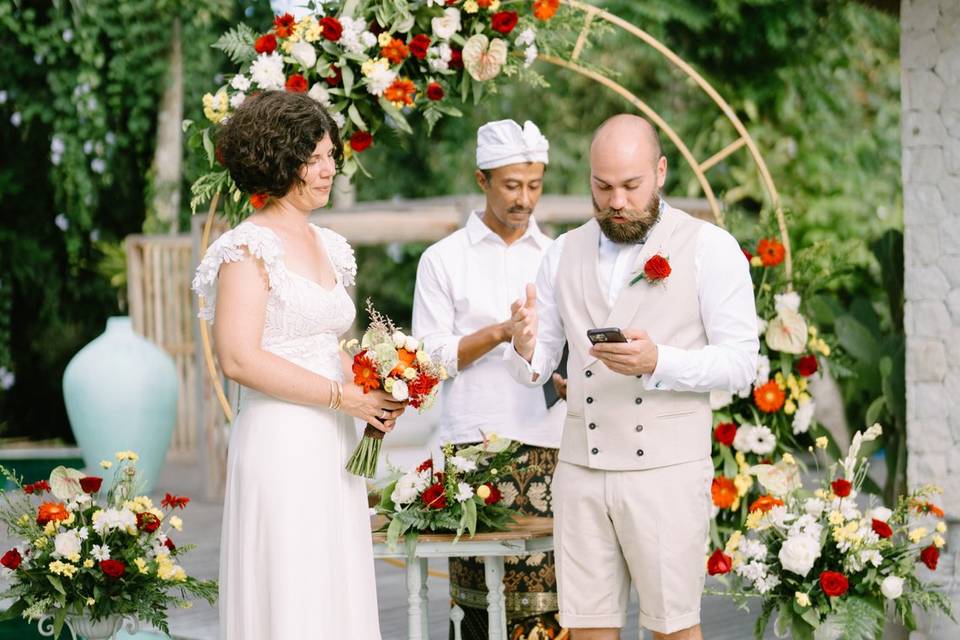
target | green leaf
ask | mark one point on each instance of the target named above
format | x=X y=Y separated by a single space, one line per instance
x=348 y=76
x=57 y=584
x=393 y=533
x=875 y=410
x=856 y=339
x=448 y=109
x=355 y=117
x=237 y=43
x=208 y=146
x=470 y=513
x=855 y=618
x=58 y=620
x=14 y=611
x=395 y=116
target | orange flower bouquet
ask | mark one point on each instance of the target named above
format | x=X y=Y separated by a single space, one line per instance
x=386 y=358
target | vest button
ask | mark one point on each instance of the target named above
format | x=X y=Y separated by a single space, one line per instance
x=639 y=427
x=639 y=400
x=592 y=425
x=639 y=452
x=588 y=373
x=589 y=400
x=594 y=451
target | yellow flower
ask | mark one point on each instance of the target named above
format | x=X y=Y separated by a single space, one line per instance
x=130 y=455
x=185 y=604
x=756 y=261
x=91 y=602
x=141 y=565
x=50 y=529
x=471 y=6
x=88 y=564
x=493 y=437
x=70 y=520
x=781 y=382
x=23 y=520
x=822 y=442
x=74 y=557
x=917 y=534
x=62 y=568
x=835 y=518
x=733 y=543
x=802 y=599
x=410 y=373
x=788 y=459
x=937 y=541
x=287 y=46
x=813 y=331
x=789 y=407
x=176 y=523
x=483 y=492
x=105 y=464
x=40 y=542
x=742 y=483
x=494 y=6
x=941 y=527
x=374 y=65
x=753 y=520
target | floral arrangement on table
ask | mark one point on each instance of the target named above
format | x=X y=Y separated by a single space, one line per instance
x=773 y=415
x=461 y=496
x=373 y=63
x=386 y=358
x=827 y=568
x=95 y=552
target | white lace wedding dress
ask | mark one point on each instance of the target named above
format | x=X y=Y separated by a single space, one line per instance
x=296 y=560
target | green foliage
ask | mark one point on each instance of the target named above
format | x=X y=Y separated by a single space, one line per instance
x=237 y=43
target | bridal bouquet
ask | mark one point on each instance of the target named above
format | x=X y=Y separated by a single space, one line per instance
x=461 y=496
x=827 y=568
x=92 y=551
x=386 y=358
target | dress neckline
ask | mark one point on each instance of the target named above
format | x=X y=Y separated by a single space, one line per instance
x=326 y=248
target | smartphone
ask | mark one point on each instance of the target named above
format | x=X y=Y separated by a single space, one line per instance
x=610 y=334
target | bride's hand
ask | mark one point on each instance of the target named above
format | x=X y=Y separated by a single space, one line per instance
x=376 y=408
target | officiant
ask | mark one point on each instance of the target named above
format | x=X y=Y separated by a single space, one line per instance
x=465 y=285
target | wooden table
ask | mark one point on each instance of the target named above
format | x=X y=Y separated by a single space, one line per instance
x=526 y=536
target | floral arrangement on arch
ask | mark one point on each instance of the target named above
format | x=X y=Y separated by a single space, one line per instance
x=826 y=568
x=774 y=414
x=93 y=551
x=374 y=63
x=459 y=497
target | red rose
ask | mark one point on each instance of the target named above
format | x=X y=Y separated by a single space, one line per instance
x=296 y=83
x=881 y=528
x=719 y=563
x=39 y=486
x=833 y=584
x=494 y=496
x=434 y=497
x=360 y=140
x=266 y=44
x=504 y=21
x=148 y=522
x=725 y=432
x=418 y=45
x=174 y=502
x=435 y=91
x=657 y=268
x=113 y=568
x=11 y=559
x=456 y=59
x=841 y=488
x=930 y=556
x=91 y=484
x=257 y=200
x=806 y=366
x=332 y=29
x=168 y=543
x=426 y=465
x=283 y=25
x=336 y=79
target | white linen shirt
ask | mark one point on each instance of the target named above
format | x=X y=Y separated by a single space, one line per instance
x=466 y=282
x=728 y=362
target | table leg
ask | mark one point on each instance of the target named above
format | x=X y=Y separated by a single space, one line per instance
x=496 y=603
x=417 y=619
x=456 y=617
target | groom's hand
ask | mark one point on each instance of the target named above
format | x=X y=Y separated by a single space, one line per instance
x=523 y=320
x=633 y=358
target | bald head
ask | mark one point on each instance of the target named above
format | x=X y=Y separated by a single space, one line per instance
x=629 y=132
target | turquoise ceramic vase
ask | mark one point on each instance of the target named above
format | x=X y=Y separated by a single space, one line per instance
x=121 y=395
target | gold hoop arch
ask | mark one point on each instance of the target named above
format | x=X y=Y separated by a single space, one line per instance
x=700 y=168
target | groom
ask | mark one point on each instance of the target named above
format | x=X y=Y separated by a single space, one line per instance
x=632 y=488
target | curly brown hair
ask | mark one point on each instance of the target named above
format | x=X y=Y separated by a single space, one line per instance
x=270 y=137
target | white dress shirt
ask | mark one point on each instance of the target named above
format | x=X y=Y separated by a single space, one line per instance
x=466 y=282
x=728 y=362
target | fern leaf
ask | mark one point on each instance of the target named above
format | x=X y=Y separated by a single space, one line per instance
x=853 y=619
x=237 y=43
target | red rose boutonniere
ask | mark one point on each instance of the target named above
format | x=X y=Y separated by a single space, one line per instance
x=656 y=269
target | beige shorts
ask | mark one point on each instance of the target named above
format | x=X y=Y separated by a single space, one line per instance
x=648 y=526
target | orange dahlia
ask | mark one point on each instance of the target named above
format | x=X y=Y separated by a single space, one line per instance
x=723 y=492
x=545 y=9
x=928 y=507
x=395 y=51
x=765 y=503
x=771 y=252
x=407 y=358
x=769 y=397
x=365 y=373
x=401 y=92
x=50 y=511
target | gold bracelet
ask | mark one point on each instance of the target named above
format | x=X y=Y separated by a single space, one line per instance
x=333 y=393
x=336 y=406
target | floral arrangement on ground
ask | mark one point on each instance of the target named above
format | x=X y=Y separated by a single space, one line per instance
x=461 y=496
x=91 y=551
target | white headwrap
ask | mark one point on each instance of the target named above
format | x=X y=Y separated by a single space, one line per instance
x=503 y=142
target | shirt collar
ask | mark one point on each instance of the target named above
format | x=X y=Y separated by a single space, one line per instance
x=478 y=231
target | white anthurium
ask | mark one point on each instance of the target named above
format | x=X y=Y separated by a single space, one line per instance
x=483 y=58
x=787 y=333
x=779 y=479
x=65 y=483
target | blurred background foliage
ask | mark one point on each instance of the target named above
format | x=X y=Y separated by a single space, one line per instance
x=816 y=82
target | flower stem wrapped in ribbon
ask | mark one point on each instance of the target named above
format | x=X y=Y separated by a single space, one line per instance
x=389 y=359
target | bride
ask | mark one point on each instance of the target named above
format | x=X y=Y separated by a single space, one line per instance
x=296 y=557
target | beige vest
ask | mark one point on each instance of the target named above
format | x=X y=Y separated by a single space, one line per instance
x=612 y=422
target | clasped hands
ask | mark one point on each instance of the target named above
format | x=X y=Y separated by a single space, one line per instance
x=636 y=357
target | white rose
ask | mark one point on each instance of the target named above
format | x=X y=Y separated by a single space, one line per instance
x=411 y=344
x=400 y=391
x=304 y=53
x=67 y=544
x=399 y=339
x=799 y=553
x=892 y=587
x=319 y=93
x=814 y=507
x=790 y=300
x=742 y=441
x=446 y=25
x=879 y=513
x=719 y=399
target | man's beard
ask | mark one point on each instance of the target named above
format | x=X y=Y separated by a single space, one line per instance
x=628 y=232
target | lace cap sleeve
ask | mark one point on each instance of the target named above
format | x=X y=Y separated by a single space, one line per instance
x=234 y=246
x=341 y=255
